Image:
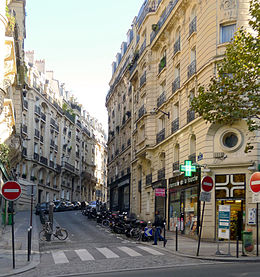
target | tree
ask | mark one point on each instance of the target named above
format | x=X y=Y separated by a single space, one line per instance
x=234 y=94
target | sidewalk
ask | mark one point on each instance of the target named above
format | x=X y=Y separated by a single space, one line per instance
x=21 y=226
x=187 y=247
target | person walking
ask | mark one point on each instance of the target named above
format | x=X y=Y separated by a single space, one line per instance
x=158 y=225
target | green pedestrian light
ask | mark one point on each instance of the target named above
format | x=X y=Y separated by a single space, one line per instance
x=187 y=168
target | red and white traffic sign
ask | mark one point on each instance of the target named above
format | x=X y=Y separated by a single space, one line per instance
x=11 y=190
x=207 y=183
x=254 y=183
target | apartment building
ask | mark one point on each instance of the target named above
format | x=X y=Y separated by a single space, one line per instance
x=172 y=47
x=58 y=141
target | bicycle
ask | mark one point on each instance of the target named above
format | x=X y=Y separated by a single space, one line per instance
x=46 y=233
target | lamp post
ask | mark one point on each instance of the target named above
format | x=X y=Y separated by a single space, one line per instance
x=154 y=111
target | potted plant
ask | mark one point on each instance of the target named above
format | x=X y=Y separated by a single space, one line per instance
x=155 y=27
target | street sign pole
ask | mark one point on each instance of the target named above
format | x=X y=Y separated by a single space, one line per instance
x=198 y=249
x=13 y=248
x=257 y=229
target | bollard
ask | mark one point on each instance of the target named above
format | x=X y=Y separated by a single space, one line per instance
x=29 y=243
x=237 y=246
x=164 y=234
x=176 y=239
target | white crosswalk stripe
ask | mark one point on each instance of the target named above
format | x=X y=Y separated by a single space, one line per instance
x=59 y=257
x=129 y=251
x=107 y=253
x=84 y=255
x=150 y=250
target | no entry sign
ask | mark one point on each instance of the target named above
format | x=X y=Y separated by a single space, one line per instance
x=207 y=183
x=11 y=190
x=255 y=182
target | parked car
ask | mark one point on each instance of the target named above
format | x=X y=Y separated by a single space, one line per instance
x=60 y=206
x=77 y=205
x=44 y=206
x=69 y=205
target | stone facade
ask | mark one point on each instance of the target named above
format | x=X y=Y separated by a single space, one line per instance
x=175 y=46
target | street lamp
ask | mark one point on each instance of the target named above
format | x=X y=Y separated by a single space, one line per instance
x=154 y=111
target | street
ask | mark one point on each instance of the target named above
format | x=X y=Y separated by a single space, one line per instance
x=92 y=250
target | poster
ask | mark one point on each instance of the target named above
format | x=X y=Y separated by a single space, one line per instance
x=251 y=216
x=224 y=222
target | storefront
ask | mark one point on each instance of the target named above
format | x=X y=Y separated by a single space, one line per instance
x=183 y=204
x=230 y=190
x=160 y=194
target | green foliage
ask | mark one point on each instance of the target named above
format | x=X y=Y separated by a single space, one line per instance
x=4 y=155
x=11 y=18
x=235 y=93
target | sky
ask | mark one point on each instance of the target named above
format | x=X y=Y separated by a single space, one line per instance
x=79 y=41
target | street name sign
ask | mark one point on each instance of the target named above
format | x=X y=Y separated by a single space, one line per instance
x=207 y=183
x=11 y=190
x=160 y=192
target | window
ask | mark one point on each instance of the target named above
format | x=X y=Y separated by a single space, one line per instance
x=227 y=32
x=148 y=202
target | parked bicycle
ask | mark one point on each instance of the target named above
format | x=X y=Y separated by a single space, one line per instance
x=47 y=232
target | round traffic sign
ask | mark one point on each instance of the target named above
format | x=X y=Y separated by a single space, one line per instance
x=11 y=190
x=207 y=183
x=254 y=183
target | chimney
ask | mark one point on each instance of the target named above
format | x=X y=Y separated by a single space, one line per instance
x=40 y=64
x=30 y=56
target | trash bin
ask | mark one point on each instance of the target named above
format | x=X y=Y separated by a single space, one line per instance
x=9 y=221
x=248 y=245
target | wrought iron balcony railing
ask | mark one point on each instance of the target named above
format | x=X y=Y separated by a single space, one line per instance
x=149 y=178
x=176 y=84
x=161 y=174
x=160 y=136
x=175 y=125
x=161 y=99
x=191 y=69
x=190 y=115
x=193 y=25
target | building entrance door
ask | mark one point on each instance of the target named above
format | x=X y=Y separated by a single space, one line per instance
x=237 y=209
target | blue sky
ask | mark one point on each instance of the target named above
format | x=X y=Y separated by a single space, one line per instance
x=79 y=41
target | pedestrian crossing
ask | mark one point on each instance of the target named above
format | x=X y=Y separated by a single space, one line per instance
x=63 y=256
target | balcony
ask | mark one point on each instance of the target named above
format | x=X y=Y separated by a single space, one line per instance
x=43 y=117
x=148 y=179
x=54 y=124
x=162 y=64
x=193 y=26
x=192 y=157
x=142 y=48
x=58 y=168
x=176 y=166
x=24 y=128
x=52 y=164
x=52 y=143
x=37 y=133
x=161 y=99
x=190 y=115
x=75 y=107
x=25 y=104
x=79 y=124
x=44 y=160
x=161 y=174
x=69 y=166
x=175 y=125
x=177 y=46
x=71 y=117
x=192 y=69
x=141 y=112
x=160 y=136
x=37 y=110
x=176 y=84
x=36 y=156
x=143 y=79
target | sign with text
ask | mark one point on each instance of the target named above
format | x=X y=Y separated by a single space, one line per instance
x=254 y=183
x=11 y=190
x=205 y=196
x=160 y=192
x=224 y=222
x=251 y=216
x=207 y=183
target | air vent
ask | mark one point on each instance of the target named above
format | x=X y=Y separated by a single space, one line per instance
x=218 y=155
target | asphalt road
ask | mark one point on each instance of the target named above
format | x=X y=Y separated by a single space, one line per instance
x=92 y=250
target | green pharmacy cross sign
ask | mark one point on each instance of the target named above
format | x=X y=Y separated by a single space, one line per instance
x=188 y=168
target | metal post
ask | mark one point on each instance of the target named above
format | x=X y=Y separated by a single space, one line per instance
x=29 y=243
x=257 y=231
x=13 y=249
x=237 y=246
x=164 y=234
x=198 y=249
x=176 y=244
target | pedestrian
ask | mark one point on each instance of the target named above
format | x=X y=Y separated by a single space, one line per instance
x=158 y=225
x=83 y=205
